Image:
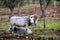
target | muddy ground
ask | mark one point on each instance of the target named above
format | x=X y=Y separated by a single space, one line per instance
x=4 y=35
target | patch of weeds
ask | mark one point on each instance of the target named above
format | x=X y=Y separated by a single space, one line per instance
x=47 y=36
x=1 y=38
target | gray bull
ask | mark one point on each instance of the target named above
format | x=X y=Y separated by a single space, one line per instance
x=23 y=23
x=19 y=22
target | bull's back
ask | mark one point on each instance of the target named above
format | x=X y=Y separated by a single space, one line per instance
x=18 y=20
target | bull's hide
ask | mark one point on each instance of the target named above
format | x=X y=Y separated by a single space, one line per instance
x=21 y=21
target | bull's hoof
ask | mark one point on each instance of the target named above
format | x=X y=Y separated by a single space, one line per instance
x=10 y=30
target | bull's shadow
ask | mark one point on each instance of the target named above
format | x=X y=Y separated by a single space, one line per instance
x=20 y=30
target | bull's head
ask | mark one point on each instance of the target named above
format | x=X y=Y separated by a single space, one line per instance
x=33 y=20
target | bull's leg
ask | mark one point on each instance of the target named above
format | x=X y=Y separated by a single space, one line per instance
x=36 y=25
x=12 y=28
x=26 y=26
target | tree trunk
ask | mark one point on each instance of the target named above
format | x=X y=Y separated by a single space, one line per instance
x=43 y=14
x=11 y=14
x=18 y=9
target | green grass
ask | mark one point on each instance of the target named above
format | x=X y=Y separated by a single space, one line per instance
x=53 y=25
x=4 y=26
x=49 y=25
x=58 y=2
x=46 y=36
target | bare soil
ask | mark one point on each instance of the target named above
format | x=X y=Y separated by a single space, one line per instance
x=4 y=35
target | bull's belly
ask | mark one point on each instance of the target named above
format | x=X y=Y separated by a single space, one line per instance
x=20 y=22
x=20 y=25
